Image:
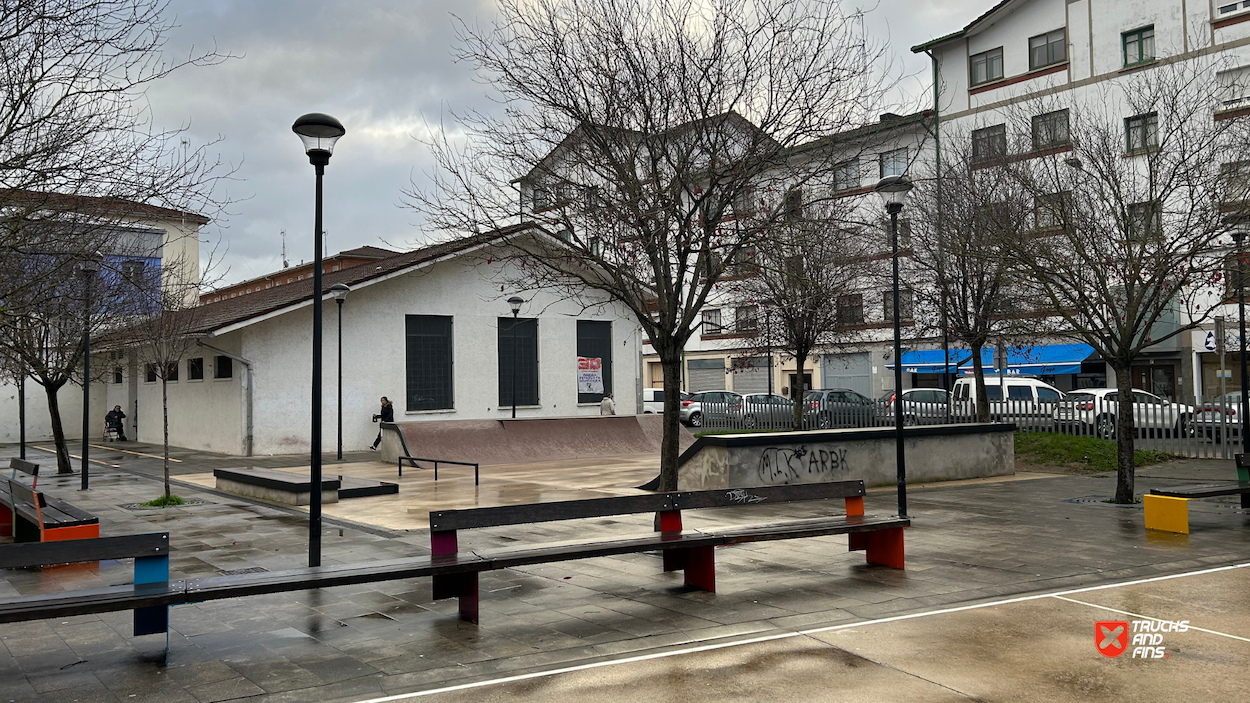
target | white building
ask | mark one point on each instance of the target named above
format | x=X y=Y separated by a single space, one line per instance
x=429 y=329
x=1067 y=52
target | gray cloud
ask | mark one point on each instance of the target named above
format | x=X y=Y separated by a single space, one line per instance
x=380 y=67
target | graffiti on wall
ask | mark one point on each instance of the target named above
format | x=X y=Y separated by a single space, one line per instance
x=784 y=465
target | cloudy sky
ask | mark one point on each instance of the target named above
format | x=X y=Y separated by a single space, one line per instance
x=383 y=67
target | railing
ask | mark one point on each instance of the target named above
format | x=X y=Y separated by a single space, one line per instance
x=1207 y=430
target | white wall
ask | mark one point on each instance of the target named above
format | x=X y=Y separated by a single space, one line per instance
x=209 y=414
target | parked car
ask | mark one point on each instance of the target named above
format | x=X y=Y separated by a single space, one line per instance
x=692 y=409
x=715 y=408
x=921 y=406
x=1220 y=417
x=1029 y=400
x=838 y=407
x=764 y=410
x=652 y=401
x=1094 y=410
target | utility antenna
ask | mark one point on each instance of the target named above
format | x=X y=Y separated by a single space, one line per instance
x=285 y=264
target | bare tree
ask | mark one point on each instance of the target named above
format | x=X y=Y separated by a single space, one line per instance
x=964 y=215
x=796 y=280
x=657 y=138
x=1149 y=189
x=80 y=164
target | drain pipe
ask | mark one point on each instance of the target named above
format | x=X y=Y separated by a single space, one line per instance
x=247 y=390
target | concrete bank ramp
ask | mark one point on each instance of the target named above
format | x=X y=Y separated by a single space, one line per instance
x=527 y=440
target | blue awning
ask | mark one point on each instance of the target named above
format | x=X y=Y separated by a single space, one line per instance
x=931 y=360
x=1041 y=360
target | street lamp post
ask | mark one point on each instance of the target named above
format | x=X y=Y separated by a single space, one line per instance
x=516 y=303
x=893 y=190
x=340 y=291
x=319 y=132
x=88 y=270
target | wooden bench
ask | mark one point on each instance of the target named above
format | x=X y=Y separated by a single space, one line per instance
x=27 y=515
x=1167 y=509
x=151 y=574
x=414 y=459
x=689 y=550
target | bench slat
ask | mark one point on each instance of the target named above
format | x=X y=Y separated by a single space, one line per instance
x=101 y=600
x=691 y=500
x=509 y=557
x=25 y=554
x=1203 y=490
x=798 y=529
x=447 y=520
x=217 y=587
x=24 y=466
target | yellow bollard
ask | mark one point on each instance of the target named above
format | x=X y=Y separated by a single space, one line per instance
x=1166 y=513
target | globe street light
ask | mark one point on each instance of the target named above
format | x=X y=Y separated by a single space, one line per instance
x=87 y=269
x=893 y=190
x=516 y=303
x=340 y=291
x=319 y=133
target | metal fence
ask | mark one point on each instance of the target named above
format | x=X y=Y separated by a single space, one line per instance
x=1209 y=430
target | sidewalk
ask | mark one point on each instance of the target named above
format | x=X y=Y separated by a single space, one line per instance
x=971 y=542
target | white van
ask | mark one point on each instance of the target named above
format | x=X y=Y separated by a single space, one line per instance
x=652 y=400
x=1028 y=399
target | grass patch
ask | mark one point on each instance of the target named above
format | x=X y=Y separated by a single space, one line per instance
x=164 y=502
x=1087 y=454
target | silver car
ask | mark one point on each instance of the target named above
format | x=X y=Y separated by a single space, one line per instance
x=764 y=410
x=921 y=406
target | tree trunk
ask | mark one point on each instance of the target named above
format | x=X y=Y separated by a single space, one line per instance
x=1124 y=431
x=58 y=430
x=797 y=392
x=670 y=446
x=165 y=428
x=978 y=377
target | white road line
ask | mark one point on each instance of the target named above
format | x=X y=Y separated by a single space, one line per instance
x=127 y=451
x=788 y=635
x=1147 y=617
x=74 y=456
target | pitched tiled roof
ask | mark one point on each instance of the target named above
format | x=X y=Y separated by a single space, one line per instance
x=368 y=252
x=967 y=28
x=87 y=204
x=215 y=316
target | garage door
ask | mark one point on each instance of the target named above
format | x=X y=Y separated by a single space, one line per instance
x=705 y=375
x=751 y=375
x=853 y=371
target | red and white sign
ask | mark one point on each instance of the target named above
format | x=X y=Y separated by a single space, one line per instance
x=1111 y=637
x=589 y=374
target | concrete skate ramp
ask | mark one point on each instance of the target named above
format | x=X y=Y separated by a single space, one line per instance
x=527 y=440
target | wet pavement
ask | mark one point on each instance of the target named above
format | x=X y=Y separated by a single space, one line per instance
x=972 y=542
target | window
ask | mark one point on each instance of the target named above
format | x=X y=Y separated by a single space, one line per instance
x=195 y=369
x=894 y=163
x=993 y=393
x=1234 y=275
x=1142 y=132
x=794 y=204
x=594 y=340
x=742 y=263
x=1049 y=48
x=117 y=375
x=132 y=270
x=1144 y=221
x=987 y=66
x=1235 y=180
x=1233 y=7
x=171 y=372
x=518 y=339
x=542 y=199
x=1019 y=393
x=1050 y=130
x=851 y=309
x=846 y=176
x=905 y=304
x=1047 y=395
x=1234 y=87
x=745 y=319
x=223 y=367
x=1139 y=46
x=989 y=144
x=1050 y=211
x=744 y=202
x=149 y=373
x=428 y=362
x=711 y=321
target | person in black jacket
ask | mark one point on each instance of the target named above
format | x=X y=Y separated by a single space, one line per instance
x=113 y=419
x=387 y=414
